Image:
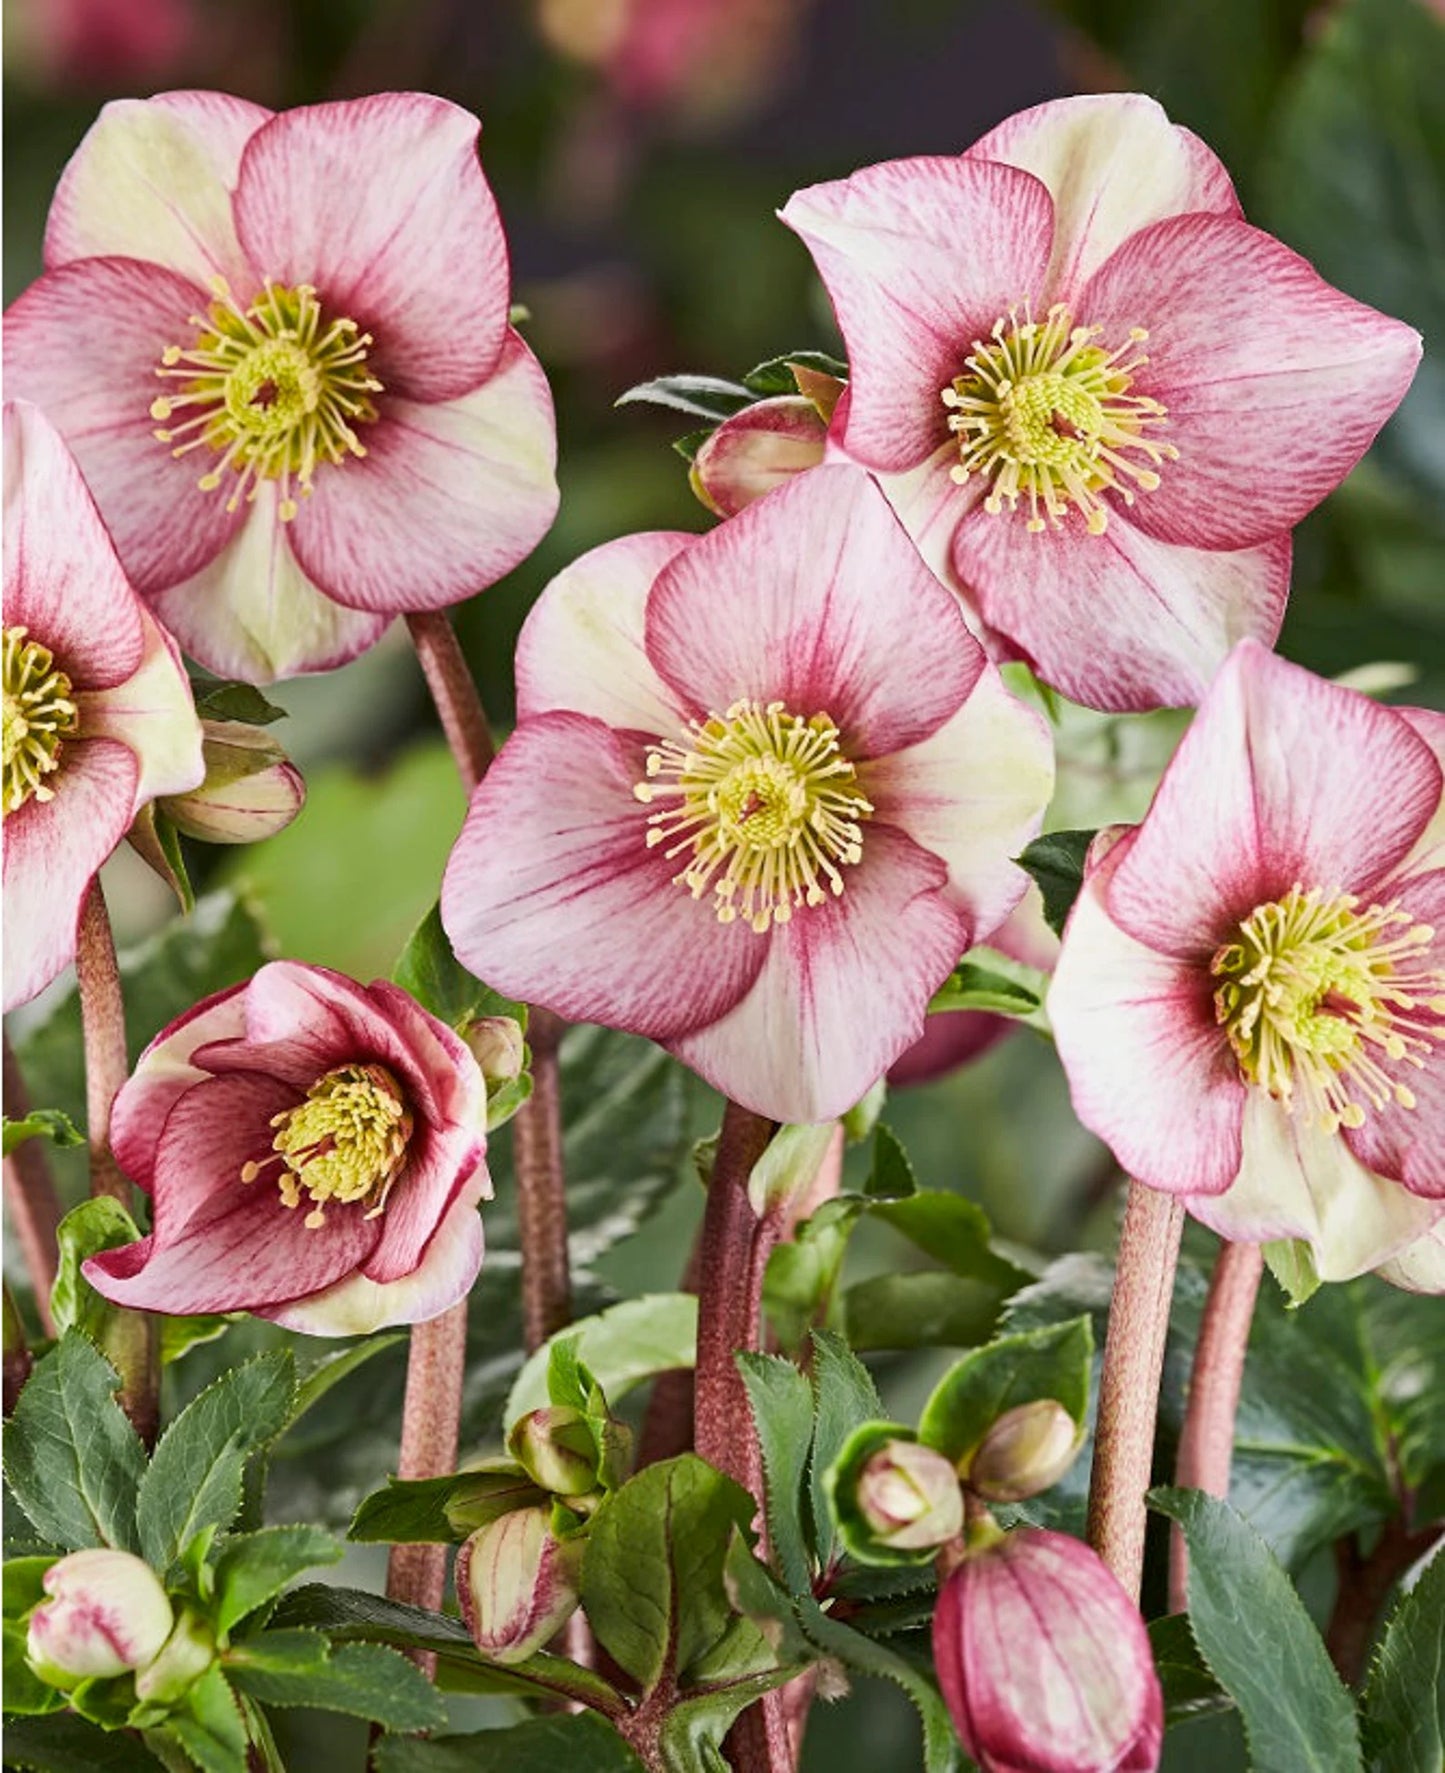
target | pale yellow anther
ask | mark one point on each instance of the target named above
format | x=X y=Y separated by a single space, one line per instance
x=40 y=715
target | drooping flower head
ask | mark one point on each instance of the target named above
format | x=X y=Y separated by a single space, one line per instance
x=1099 y=399
x=1250 y=997
x=763 y=792
x=279 y=346
x=314 y=1151
x=98 y=714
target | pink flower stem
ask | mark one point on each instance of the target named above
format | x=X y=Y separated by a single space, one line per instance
x=1129 y=1386
x=458 y=706
x=1206 y=1447
x=30 y=1196
x=541 y=1197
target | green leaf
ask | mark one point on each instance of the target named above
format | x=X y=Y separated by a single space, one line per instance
x=691 y=442
x=861 y=1654
x=234 y=701
x=317 y=1380
x=802 y=1276
x=253 y=1568
x=1404 y=1709
x=891 y=1177
x=211 y=1729
x=442 y=1510
x=72 y=1459
x=86 y=1230
x=1292 y=1264
x=844 y=1397
x=775 y=375
x=1190 y=1690
x=67 y=1744
x=954 y=1231
x=25 y=1693
x=181 y=1334
x=194 y=1478
x=652 y=1574
x=622 y=1346
x=581 y=1744
x=781 y=1400
x=1056 y=862
x=918 y=1311
x=1017 y=1369
x=1253 y=1631
x=997 y=985
x=366 y=1680
x=704 y=397
x=43 y=1123
x=692 y=1733
x=430 y=971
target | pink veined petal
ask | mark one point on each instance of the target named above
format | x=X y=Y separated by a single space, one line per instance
x=973 y=794
x=814 y=597
x=381 y=204
x=930 y=506
x=163 y=1074
x=920 y=258
x=447 y=499
x=1148 y=1069
x=843 y=992
x=1429 y=850
x=83 y=343
x=220 y=1244
x=581 y=647
x=761 y=447
x=1420 y=1266
x=1282 y=778
x=552 y=896
x=53 y=849
x=153 y=180
x=153 y=713
x=455 y=1084
x=443 y=1166
x=1275 y=382
x=1113 y=163
x=63 y=583
x=1120 y=621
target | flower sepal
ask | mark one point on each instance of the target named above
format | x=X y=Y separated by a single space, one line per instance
x=251 y=788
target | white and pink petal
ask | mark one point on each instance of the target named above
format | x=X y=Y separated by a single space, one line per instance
x=154 y=714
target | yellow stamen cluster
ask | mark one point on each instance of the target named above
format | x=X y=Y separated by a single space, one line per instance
x=275 y=390
x=39 y=714
x=347 y=1142
x=1318 y=994
x=1045 y=414
x=764 y=804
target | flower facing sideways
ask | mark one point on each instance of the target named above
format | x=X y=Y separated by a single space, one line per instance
x=314 y=1151
x=1250 y=997
x=98 y=715
x=279 y=346
x=1098 y=398
x=763 y=792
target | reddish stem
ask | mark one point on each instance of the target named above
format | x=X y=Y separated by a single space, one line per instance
x=1365 y=1585
x=30 y=1195
x=541 y=1194
x=430 y=1428
x=458 y=706
x=102 y=1017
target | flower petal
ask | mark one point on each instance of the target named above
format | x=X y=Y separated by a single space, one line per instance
x=450 y=1165
x=1113 y=163
x=757 y=449
x=581 y=648
x=1119 y=621
x=381 y=204
x=162 y=1075
x=446 y=499
x=153 y=180
x=153 y=713
x=1275 y=382
x=552 y=895
x=920 y=258
x=1420 y=1266
x=843 y=993
x=814 y=597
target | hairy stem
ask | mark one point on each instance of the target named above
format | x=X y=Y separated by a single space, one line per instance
x=541 y=1192
x=430 y=1429
x=30 y=1196
x=1129 y=1387
x=102 y=1017
x=1206 y=1446
x=458 y=706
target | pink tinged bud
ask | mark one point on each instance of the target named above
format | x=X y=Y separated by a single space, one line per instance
x=251 y=788
x=909 y=1496
x=557 y=1449
x=1027 y=1450
x=1044 y=1660
x=498 y=1046
x=106 y=1615
x=756 y=450
x=517 y=1584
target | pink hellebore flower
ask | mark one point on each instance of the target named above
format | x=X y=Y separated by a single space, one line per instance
x=314 y=1151
x=98 y=714
x=763 y=792
x=279 y=347
x=1099 y=399
x=1250 y=997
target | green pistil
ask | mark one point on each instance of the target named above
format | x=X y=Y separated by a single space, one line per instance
x=346 y=1142
x=39 y=714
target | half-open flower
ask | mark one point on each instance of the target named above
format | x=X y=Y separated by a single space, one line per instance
x=279 y=346
x=1099 y=399
x=314 y=1151
x=763 y=792
x=1250 y=997
x=98 y=715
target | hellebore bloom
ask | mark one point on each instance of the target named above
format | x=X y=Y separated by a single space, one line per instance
x=107 y=1614
x=98 y=714
x=1250 y=997
x=1099 y=399
x=518 y=1583
x=279 y=347
x=763 y=792
x=1044 y=1661
x=314 y=1151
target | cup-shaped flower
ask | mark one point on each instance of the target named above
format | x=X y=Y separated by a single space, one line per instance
x=314 y=1151
x=106 y=1614
x=1099 y=398
x=251 y=787
x=98 y=715
x=1250 y=997
x=763 y=792
x=1044 y=1661
x=909 y=1498
x=1028 y=1449
x=279 y=346
x=517 y=1583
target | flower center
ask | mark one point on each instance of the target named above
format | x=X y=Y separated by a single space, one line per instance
x=1046 y=414
x=1316 y=992
x=347 y=1141
x=39 y=713
x=274 y=389
x=765 y=804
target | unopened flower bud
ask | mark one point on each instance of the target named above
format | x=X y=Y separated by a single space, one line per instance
x=517 y=1583
x=107 y=1614
x=1044 y=1660
x=498 y=1046
x=186 y=1655
x=1027 y=1450
x=251 y=790
x=909 y=1496
x=757 y=449
x=558 y=1450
